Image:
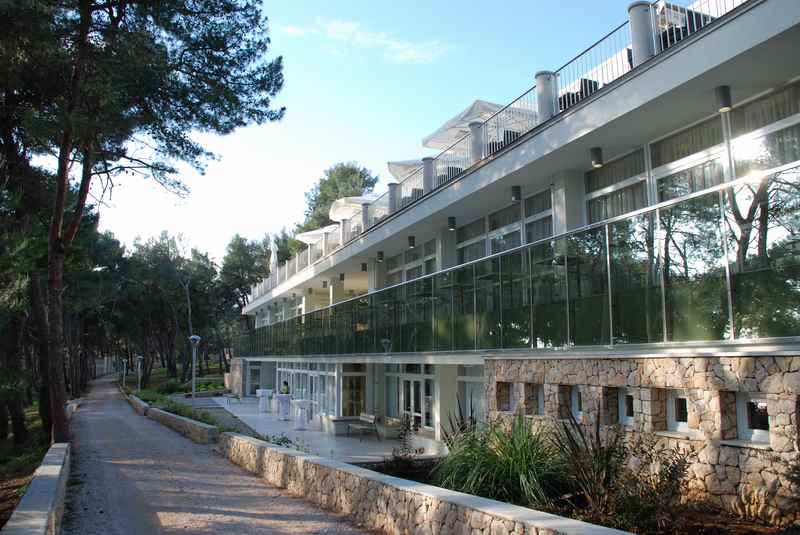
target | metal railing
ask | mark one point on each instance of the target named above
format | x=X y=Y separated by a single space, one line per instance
x=594 y=68
x=378 y=209
x=605 y=61
x=410 y=189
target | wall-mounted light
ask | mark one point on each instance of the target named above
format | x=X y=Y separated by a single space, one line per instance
x=412 y=242
x=324 y=284
x=596 y=154
x=516 y=193
x=341 y=277
x=379 y=256
x=363 y=266
x=451 y=223
x=724 y=101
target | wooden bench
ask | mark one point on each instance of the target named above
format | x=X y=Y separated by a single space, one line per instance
x=365 y=423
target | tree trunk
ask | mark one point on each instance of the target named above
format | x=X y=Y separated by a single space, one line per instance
x=3 y=421
x=55 y=345
x=18 y=427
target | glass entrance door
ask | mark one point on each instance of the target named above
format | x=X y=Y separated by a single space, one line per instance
x=412 y=401
x=253 y=379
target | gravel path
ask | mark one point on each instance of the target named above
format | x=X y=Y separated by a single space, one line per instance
x=130 y=475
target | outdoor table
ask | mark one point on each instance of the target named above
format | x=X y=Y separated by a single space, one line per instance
x=283 y=406
x=301 y=413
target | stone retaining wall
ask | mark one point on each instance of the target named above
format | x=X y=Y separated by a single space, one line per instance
x=746 y=478
x=389 y=504
x=138 y=405
x=41 y=508
x=191 y=429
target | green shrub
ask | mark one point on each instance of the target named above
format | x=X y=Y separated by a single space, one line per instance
x=171 y=387
x=519 y=465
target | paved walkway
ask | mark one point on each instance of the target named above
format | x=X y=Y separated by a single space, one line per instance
x=130 y=475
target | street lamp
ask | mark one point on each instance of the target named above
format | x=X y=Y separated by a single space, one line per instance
x=139 y=360
x=124 y=372
x=195 y=340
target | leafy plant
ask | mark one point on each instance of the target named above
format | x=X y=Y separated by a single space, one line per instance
x=516 y=465
x=458 y=423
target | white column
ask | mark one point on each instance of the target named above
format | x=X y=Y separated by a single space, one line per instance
x=476 y=141
x=393 y=197
x=336 y=290
x=376 y=275
x=427 y=175
x=446 y=397
x=446 y=249
x=343 y=225
x=546 y=95
x=568 y=199
x=325 y=245
x=642 y=37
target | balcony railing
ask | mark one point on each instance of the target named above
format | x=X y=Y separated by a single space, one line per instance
x=589 y=72
x=692 y=269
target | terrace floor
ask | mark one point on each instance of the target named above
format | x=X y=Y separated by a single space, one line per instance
x=353 y=449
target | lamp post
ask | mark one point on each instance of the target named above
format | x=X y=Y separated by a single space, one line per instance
x=195 y=340
x=124 y=372
x=139 y=360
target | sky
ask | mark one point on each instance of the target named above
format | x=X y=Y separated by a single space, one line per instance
x=365 y=81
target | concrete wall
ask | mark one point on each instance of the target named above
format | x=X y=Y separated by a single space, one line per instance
x=41 y=508
x=746 y=478
x=388 y=504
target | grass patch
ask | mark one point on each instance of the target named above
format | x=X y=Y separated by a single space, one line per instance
x=18 y=463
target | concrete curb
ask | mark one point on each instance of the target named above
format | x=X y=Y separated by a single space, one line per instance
x=41 y=508
x=138 y=405
x=191 y=429
x=390 y=504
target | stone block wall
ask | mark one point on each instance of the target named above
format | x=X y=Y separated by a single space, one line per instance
x=191 y=429
x=388 y=504
x=747 y=478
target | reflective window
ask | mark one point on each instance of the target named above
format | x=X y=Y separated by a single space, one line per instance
x=516 y=299
x=475 y=251
x=487 y=299
x=766 y=110
x=464 y=308
x=690 y=180
x=506 y=216
x=539 y=229
x=762 y=222
x=538 y=203
x=617 y=202
x=417 y=328
x=548 y=291
x=694 y=272
x=636 y=281
x=473 y=230
x=766 y=152
x=505 y=242
x=443 y=285
x=690 y=141
x=587 y=287
x=616 y=171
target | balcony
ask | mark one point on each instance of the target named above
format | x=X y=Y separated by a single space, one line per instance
x=659 y=27
x=719 y=265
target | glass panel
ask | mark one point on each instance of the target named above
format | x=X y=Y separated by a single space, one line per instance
x=413 y=273
x=412 y=255
x=588 y=288
x=392 y=397
x=681 y=410
x=443 y=284
x=407 y=396
x=766 y=110
x=364 y=332
x=616 y=171
x=506 y=216
x=353 y=395
x=539 y=229
x=430 y=247
x=417 y=397
x=387 y=321
x=428 y=408
x=694 y=274
x=690 y=141
x=697 y=178
x=536 y=204
x=473 y=230
x=472 y=252
x=636 y=281
x=763 y=232
x=470 y=371
x=394 y=262
x=516 y=299
x=766 y=152
x=628 y=406
x=464 y=308
x=487 y=299
x=413 y=368
x=417 y=326
x=548 y=285
x=505 y=242
x=617 y=202
x=353 y=368
x=430 y=266
x=394 y=278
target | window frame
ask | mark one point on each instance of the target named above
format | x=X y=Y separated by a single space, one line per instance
x=672 y=424
x=743 y=430
x=576 y=402
x=622 y=406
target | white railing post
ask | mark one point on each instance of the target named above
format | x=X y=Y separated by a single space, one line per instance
x=344 y=224
x=546 y=95
x=393 y=197
x=364 y=217
x=427 y=175
x=642 y=38
x=476 y=141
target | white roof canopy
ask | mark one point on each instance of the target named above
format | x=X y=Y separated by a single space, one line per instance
x=313 y=236
x=458 y=126
x=402 y=169
x=347 y=207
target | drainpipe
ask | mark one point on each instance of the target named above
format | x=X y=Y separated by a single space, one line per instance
x=642 y=35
